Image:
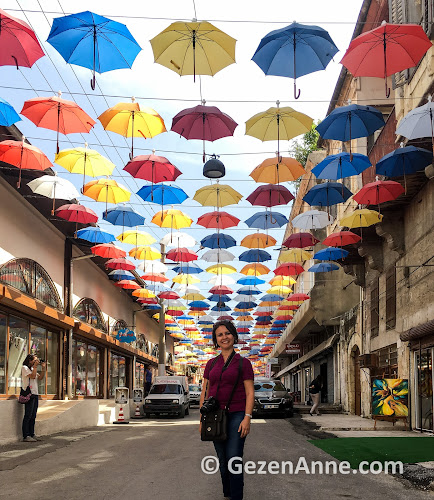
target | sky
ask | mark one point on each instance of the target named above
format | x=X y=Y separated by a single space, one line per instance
x=240 y=90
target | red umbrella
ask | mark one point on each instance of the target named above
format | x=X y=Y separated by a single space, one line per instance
x=108 y=251
x=300 y=240
x=156 y=277
x=23 y=155
x=288 y=308
x=127 y=284
x=378 y=192
x=152 y=168
x=225 y=318
x=57 y=114
x=242 y=330
x=182 y=255
x=289 y=269
x=297 y=297
x=73 y=212
x=341 y=238
x=18 y=41
x=218 y=220
x=386 y=50
x=170 y=295
x=270 y=195
x=207 y=123
x=221 y=290
x=174 y=312
x=283 y=318
x=120 y=263
x=148 y=301
x=262 y=313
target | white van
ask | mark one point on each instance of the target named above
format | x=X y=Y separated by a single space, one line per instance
x=168 y=394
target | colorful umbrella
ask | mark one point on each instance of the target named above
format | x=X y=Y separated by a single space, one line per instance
x=144 y=253
x=187 y=268
x=312 y=219
x=106 y=190
x=254 y=255
x=266 y=220
x=8 y=115
x=193 y=48
x=217 y=255
x=217 y=195
x=297 y=297
x=152 y=266
x=152 y=168
x=54 y=187
x=418 y=123
x=378 y=192
x=77 y=213
x=108 y=251
x=135 y=237
x=341 y=165
x=294 y=255
x=178 y=240
x=300 y=240
x=341 y=239
x=95 y=235
x=181 y=255
x=255 y=269
x=92 y=41
x=144 y=293
x=123 y=216
x=327 y=194
x=217 y=220
x=163 y=194
x=175 y=219
x=282 y=280
x=218 y=240
x=289 y=269
x=127 y=285
x=185 y=279
x=252 y=280
x=120 y=275
x=154 y=277
x=270 y=195
x=221 y=269
x=258 y=240
x=120 y=263
x=331 y=253
x=361 y=218
x=323 y=267
x=278 y=169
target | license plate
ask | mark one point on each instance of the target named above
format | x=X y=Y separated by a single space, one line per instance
x=268 y=407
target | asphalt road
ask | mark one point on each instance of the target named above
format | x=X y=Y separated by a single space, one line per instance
x=160 y=459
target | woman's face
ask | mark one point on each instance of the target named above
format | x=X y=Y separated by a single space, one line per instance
x=224 y=337
x=33 y=361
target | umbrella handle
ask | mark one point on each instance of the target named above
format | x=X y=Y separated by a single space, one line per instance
x=296 y=94
x=93 y=82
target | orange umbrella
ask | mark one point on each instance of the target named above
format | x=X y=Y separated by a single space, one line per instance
x=255 y=269
x=277 y=169
x=258 y=240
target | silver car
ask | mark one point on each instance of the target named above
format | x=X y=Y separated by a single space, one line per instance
x=195 y=391
x=272 y=398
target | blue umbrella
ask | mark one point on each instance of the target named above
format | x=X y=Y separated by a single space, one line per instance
x=255 y=255
x=404 y=161
x=238 y=313
x=95 y=235
x=95 y=42
x=187 y=268
x=331 y=253
x=215 y=297
x=218 y=240
x=163 y=194
x=249 y=290
x=327 y=194
x=295 y=51
x=264 y=318
x=8 y=115
x=266 y=220
x=323 y=267
x=245 y=305
x=119 y=274
x=220 y=308
x=153 y=307
x=271 y=297
x=123 y=216
x=251 y=280
x=340 y=166
x=198 y=303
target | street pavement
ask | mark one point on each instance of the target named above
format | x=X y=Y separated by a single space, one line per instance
x=160 y=459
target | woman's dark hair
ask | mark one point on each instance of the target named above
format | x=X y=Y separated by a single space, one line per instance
x=29 y=357
x=231 y=329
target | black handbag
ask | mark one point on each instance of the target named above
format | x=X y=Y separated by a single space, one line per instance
x=214 y=423
x=25 y=395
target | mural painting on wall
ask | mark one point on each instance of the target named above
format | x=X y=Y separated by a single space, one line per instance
x=390 y=397
x=125 y=335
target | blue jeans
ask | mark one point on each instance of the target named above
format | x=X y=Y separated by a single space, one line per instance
x=233 y=447
x=30 y=410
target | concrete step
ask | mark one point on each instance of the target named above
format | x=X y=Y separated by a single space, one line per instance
x=329 y=409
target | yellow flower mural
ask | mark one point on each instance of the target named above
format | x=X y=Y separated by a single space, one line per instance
x=390 y=397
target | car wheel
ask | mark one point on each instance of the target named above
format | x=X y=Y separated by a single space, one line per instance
x=187 y=411
x=182 y=413
x=289 y=414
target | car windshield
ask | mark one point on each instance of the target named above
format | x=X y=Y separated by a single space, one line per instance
x=269 y=386
x=165 y=389
x=194 y=388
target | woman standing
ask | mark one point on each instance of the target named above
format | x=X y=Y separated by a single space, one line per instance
x=29 y=378
x=315 y=389
x=221 y=373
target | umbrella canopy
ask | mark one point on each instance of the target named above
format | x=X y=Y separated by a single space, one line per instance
x=54 y=187
x=341 y=239
x=251 y=281
x=327 y=194
x=185 y=279
x=249 y=290
x=218 y=240
x=120 y=274
x=282 y=280
x=123 y=216
x=135 y=237
x=187 y=268
x=152 y=266
x=106 y=190
x=175 y=219
x=152 y=168
x=193 y=48
x=270 y=195
x=221 y=269
x=294 y=51
x=144 y=253
x=144 y=293
x=361 y=218
x=258 y=240
x=255 y=269
x=77 y=213
x=254 y=255
x=266 y=220
x=154 y=277
x=108 y=251
x=127 y=285
x=312 y=219
x=217 y=255
x=323 y=267
x=221 y=290
x=8 y=115
x=418 y=123
x=378 y=192
x=300 y=240
x=341 y=165
x=163 y=194
x=120 y=263
x=217 y=220
x=289 y=269
x=217 y=195
x=55 y=113
x=294 y=255
x=178 y=240
x=182 y=255
x=221 y=279
x=282 y=291
x=215 y=297
x=331 y=253
x=297 y=297
x=278 y=169
x=95 y=235
x=92 y=41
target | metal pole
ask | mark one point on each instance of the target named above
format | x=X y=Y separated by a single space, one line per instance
x=162 y=328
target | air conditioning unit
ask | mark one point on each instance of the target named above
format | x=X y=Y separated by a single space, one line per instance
x=368 y=360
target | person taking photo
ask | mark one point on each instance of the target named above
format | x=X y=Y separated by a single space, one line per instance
x=29 y=378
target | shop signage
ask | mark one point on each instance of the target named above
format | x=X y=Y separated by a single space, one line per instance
x=293 y=349
x=138 y=395
x=121 y=395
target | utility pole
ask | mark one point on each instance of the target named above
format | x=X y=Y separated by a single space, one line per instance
x=162 y=327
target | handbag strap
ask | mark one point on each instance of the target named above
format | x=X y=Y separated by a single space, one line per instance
x=225 y=367
x=240 y=367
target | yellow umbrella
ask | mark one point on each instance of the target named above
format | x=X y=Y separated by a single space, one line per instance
x=280 y=290
x=221 y=269
x=269 y=303
x=84 y=161
x=136 y=238
x=361 y=218
x=177 y=335
x=175 y=219
x=181 y=361
x=144 y=253
x=282 y=280
x=278 y=169
x=255 y=269
x=277 y=124
x=197 y=313
x=186 y=321
x=193 y=48
x=295 y=255
x=129 y=120
x=193 y=296
x=258 y=240
x=106 y=190
x=166 y=316
x=143 y=293
x=217 y=195
x=291 y=302
x=185 y=279
x=244 y=318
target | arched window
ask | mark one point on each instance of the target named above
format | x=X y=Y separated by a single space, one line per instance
x=88 y=311
x=119 y=325
x=32 y=279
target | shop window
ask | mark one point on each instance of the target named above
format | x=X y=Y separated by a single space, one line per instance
x=3 y=337
x=374 y=306
x=119 y=325
x=86 y=369
x=139 y=375
x=88 y=311
x=30 y=278
x=391 y=298
x=38 y=347
x=117 y=372
x=387 y=362
x=52 y=375
x=18 y=350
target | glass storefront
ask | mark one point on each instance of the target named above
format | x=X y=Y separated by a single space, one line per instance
x=86 y=369
x=424 y=389
x=118 y=372
x=139 y=375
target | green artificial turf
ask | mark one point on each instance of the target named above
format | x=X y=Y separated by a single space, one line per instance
x=408 y=450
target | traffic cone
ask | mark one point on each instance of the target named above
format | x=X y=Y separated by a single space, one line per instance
x=137 y=412
x=121 y=415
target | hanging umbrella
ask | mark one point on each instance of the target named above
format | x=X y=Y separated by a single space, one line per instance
x=217 y=195
x=163 y=194
x=92 y=41
x=255 y=269
x=341 y=239
x=178 y=240
x=289 y=269
x=127 y=285
x=324 y=267
x=185 y=279
x=144 y=293
x=361 y=218
x=350 y=122
x=281 y=290
x=23 y=156
x=106 y=191
x=152 y=266
x=297 y=297
x=341 y=165
x=123 y=216
x=282 y=280
x=221 y=269
x=54 y=187
x=300 y=240
x=385 y=50
x=218 y=240
x=95 y=235
x=266 y=220
x=270 y=195
x=312 y=219
x=154 y=277
x=331 y=253
x=168 y=295
x=181 y=255
x=278 y=169
x=144 y=253
x=193 y=48
x=199 y=303
x=221 y=290
x=54 y=113
x=294 y=255
x=327 y=194
x=120 y=275
x=175 y=219
x=294 y=51
x=251 y=281
x=217 y=255
x=278 y=124
x=135 y=237
x=418 y=123
x=258 y=240
x=77 y=213
x=254 y=255
x=215 y=297
x=217 y=220
x=84 y=161
x=206 y=123
x=130 y=120
x=221 y=279
x=108 y=251
x=187 y=268
x=249 y=290
x=8 y=115
x=378 y=192
x=152 y=168
x=120 y=263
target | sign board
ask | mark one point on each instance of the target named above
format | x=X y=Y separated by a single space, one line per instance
x=273 y=361
x=293 y=349
x=121 y=395
x=268 y=370
x=138 y=395
x=166 y=380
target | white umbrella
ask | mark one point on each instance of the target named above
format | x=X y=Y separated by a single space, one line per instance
x=418 y=123
x=152 y=266
x=184 y=290
x=245 y=298
x=221 y=279
x=52 y=186
x=207 y=317
x=217 y=255
x=178 y=239
x=312 y=219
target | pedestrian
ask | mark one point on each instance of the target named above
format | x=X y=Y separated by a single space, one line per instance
x=315 y=392
x=148 y=380
x=220 y=375
x=29 y=378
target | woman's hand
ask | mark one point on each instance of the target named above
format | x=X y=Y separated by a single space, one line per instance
x=200 y=427
x=244 y=427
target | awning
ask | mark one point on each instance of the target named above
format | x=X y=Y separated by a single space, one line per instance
x=418 y=331
x=327 y=344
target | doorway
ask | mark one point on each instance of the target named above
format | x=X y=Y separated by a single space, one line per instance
x=324 y=382
x=424 y=389
x=357 y=385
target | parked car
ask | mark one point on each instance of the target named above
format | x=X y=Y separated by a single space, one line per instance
x=195 y=391
x=272 y=398
x=168 y=395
